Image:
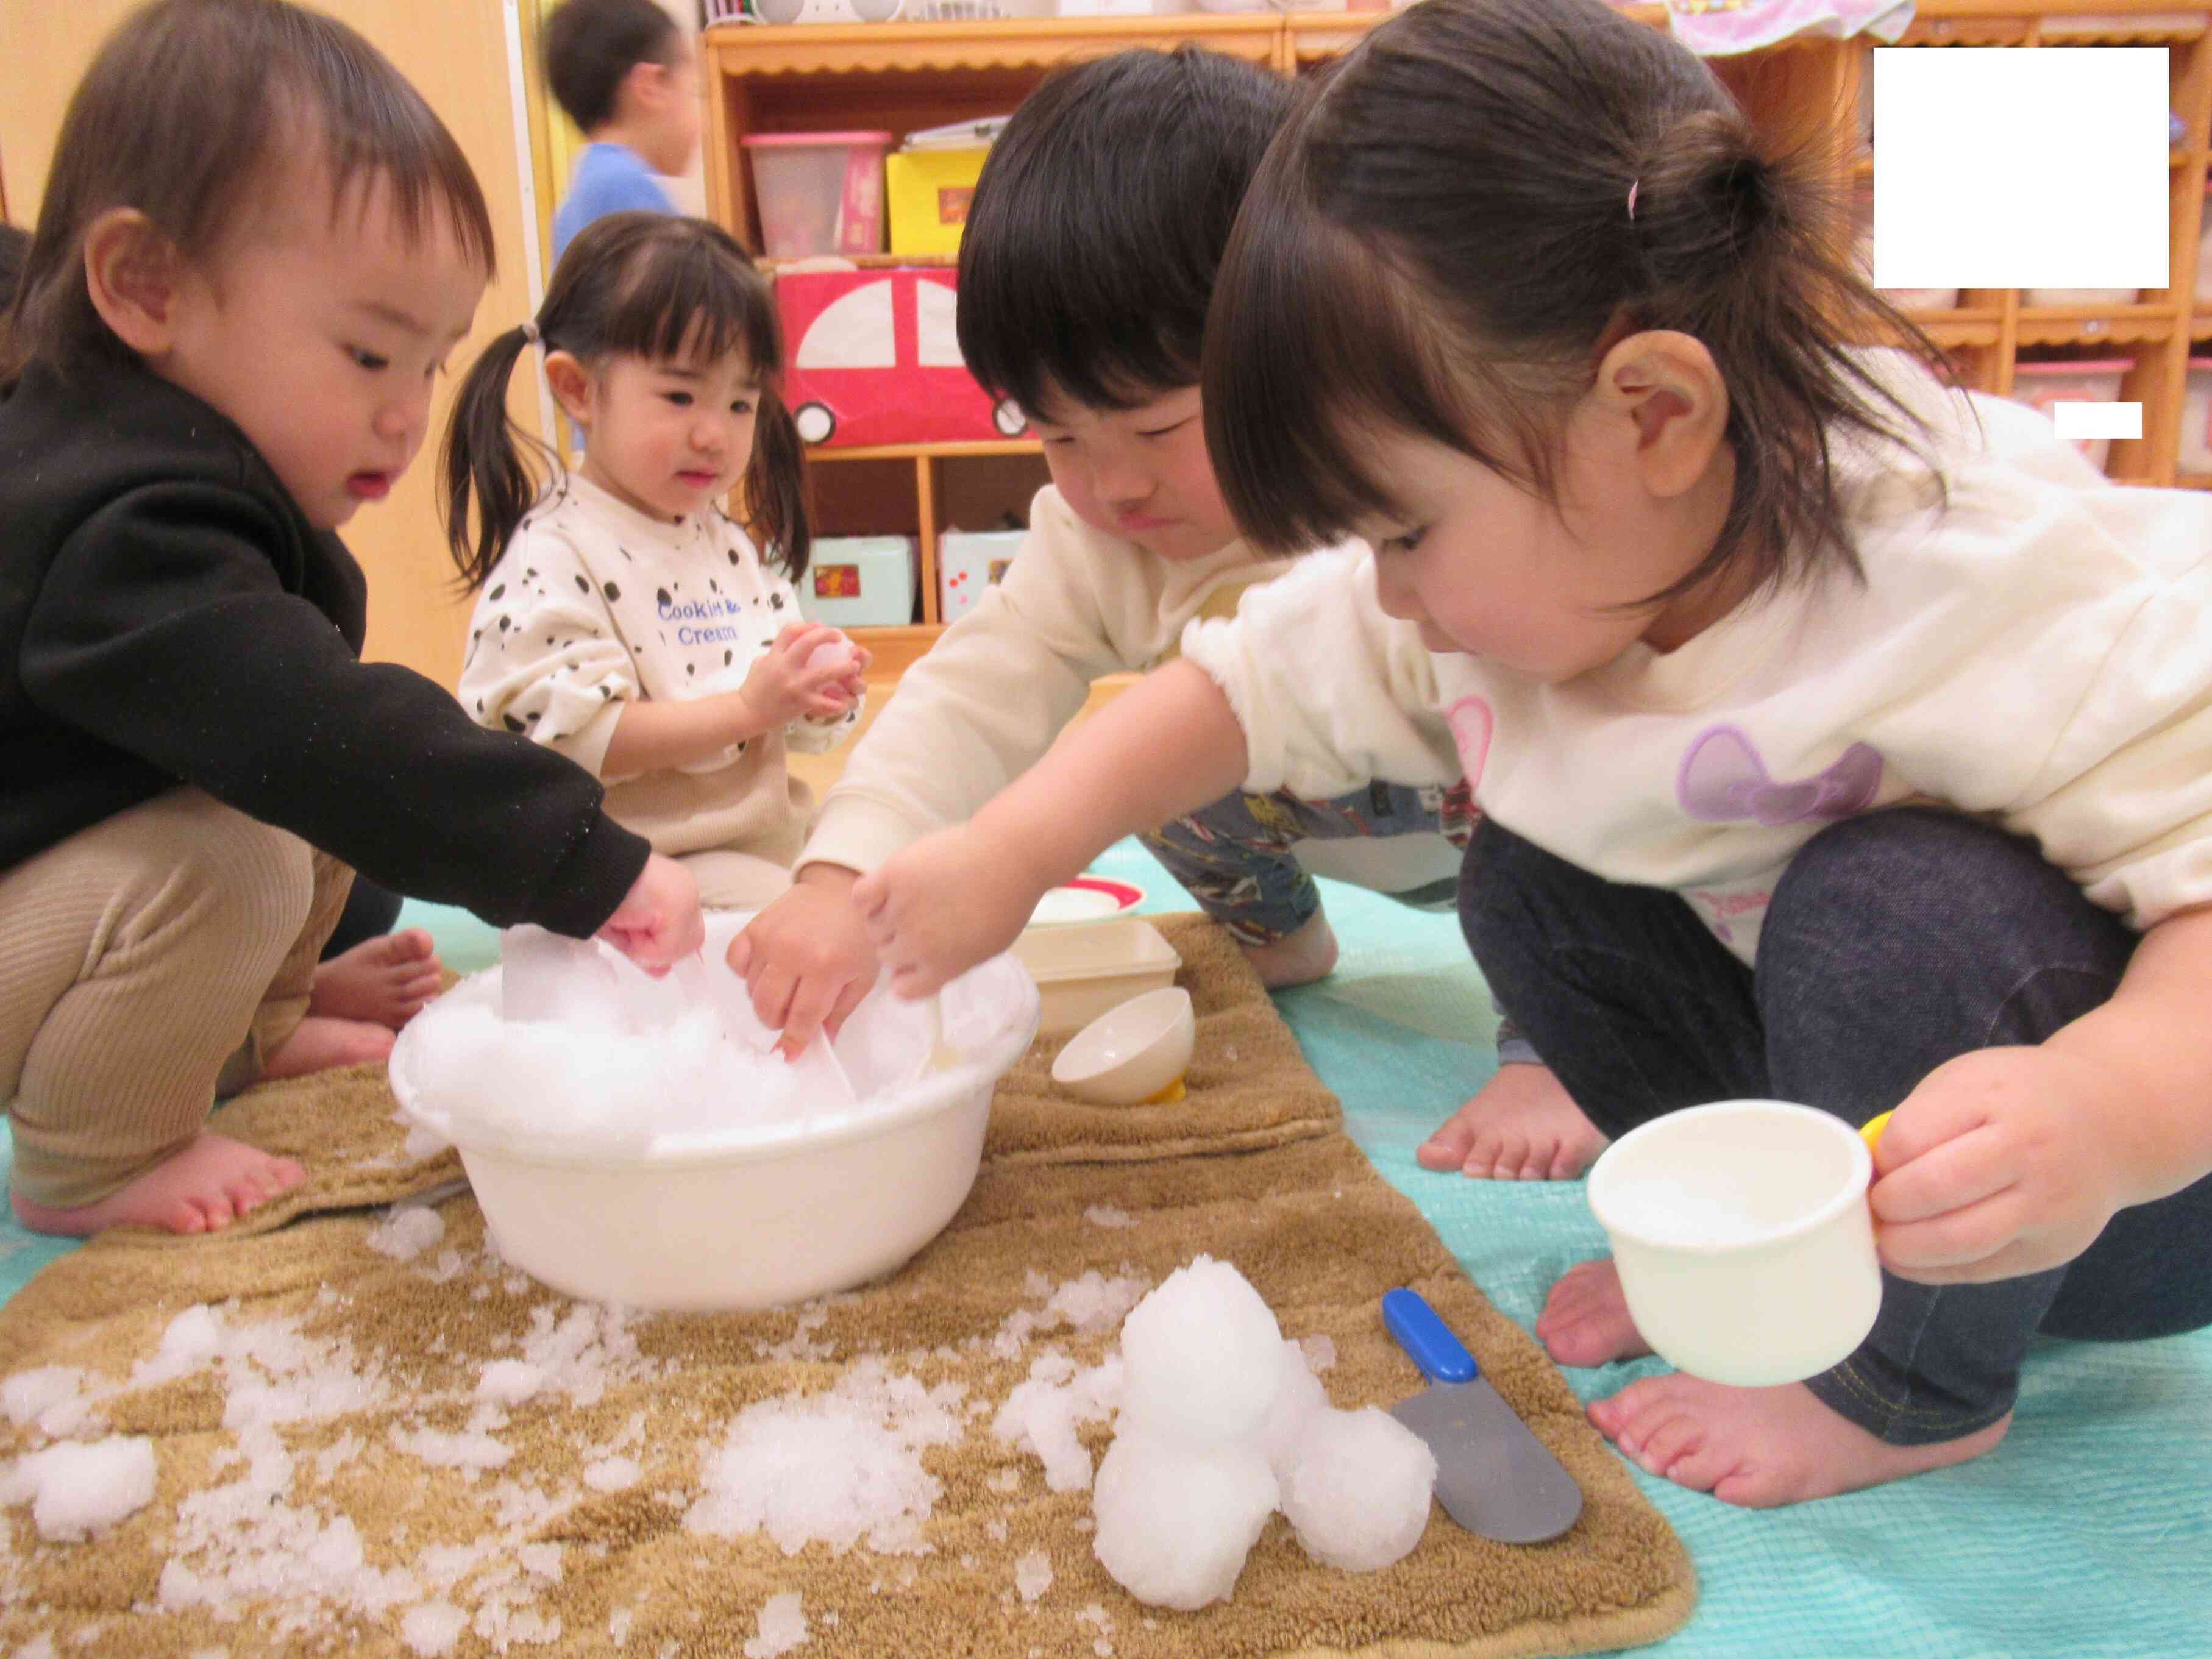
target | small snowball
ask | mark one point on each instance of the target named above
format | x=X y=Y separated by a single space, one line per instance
x=28 y=1395
x=612 y=1473
x=782 y=1627
x=1033 y=1575
x=1201 y=1356
x=1299 y=1397
x=1176 y=1522
x=406 y=1232
x=835 y=652
x=75 y=1489
x=1358 y=1488
x=509 y=1382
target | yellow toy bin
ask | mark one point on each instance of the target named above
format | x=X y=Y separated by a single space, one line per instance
x=928 y=191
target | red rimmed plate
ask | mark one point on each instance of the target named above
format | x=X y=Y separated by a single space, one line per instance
x=1087 y=898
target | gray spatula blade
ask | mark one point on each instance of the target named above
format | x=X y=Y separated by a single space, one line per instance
x=1493 y=1476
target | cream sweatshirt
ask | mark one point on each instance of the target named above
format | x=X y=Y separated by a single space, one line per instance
x=999 y=685
x=593 y=605
x=2039 y=653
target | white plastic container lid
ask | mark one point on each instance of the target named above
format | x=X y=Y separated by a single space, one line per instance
x=959 y=135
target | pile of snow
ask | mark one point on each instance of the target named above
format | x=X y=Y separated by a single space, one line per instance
x=1222 y=1422
x=75 y=1489
x=578 y=1047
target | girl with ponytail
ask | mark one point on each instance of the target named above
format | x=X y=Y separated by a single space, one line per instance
x=625 y=619
x=1838 y=738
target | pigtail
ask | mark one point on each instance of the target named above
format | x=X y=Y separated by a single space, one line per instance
x=1743 y=250
x=482 y=455
x=774 y=491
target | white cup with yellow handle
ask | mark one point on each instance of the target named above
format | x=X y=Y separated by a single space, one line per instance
x=1743 y=1239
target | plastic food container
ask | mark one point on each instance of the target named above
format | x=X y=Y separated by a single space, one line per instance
x=1082 y=972
x=860 y=581
x=755 y=1215
x=968 y=562
x=2195 y=456
x=2041 y=386
x=820 y=192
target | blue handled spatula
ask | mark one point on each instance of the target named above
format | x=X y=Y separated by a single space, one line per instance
x=1493 y=1476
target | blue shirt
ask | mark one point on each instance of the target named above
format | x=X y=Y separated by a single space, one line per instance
x=609 y=179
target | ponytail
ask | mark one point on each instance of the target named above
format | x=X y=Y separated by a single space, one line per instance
x=483 y=456
x=775 y=487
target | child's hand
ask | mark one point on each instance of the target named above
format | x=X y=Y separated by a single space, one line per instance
x=806 y=958
x=783 y=686
x=944 y=905
x=1994 y=1167
x=658 y=923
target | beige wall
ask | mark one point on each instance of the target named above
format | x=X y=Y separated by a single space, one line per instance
x=455 y=52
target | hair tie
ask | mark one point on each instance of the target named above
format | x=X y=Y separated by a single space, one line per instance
x=1633 y=187
x=531 y=336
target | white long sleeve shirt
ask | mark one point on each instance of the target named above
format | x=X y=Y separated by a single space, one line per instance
x=1077 y=602
x=2039 y=653
x=595 y=605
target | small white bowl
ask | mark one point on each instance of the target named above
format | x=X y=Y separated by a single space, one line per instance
x=1132 y=1052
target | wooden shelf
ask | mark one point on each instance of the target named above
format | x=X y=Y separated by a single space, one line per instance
x=901 y=76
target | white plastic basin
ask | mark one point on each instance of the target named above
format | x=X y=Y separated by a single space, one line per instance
x=755 y=1215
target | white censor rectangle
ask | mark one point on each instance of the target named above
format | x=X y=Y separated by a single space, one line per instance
x=2087 y=420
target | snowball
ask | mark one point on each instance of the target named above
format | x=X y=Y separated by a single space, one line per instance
x=1358 y=1488
x=408 y=1232
x=75 y=1489
x=782 y=1627
x=835 y=652
x=1176 y=1522
x=1299 y=1397
x=1202 y=1356
x=509 y=1382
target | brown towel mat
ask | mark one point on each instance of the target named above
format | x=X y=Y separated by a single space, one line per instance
x=410 y=1501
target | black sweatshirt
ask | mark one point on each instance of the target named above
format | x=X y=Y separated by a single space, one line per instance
x=168 y=616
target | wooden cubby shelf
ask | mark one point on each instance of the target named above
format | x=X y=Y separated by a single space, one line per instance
x=901 y=77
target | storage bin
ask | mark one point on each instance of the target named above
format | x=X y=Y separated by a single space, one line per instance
x=2041 y=386
x=860 y=581
x=2079 y=296
x=2195 y=456
x=929 y=182
x=968 y=562
x=1082 y=972
x=2204 y=251
x=820 y=192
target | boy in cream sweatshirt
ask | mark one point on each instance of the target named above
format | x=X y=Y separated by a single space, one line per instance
x=1085 y=271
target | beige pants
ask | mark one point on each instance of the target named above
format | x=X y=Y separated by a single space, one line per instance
x=150 y=961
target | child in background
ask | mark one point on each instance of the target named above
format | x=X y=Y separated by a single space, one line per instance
x=224 y=343
x=624 y=620
x=1840 y=739
x=1085 y=270
x=622 y=70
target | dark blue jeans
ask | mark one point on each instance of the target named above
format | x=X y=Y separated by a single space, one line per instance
x=1896 y=941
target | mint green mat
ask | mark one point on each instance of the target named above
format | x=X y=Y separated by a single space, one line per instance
x=2088 y=1535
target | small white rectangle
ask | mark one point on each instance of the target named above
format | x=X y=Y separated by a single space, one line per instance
x=2088 y=420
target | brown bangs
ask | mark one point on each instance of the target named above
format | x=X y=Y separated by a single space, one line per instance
x=1317 y=342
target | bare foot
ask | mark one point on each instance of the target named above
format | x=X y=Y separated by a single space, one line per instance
x=1762 y=1447
x=201 y=1189
x=1296 y=958
x=1585 y=1319
x=384 y=981
x=1521 y=1125
x=318 y=1044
